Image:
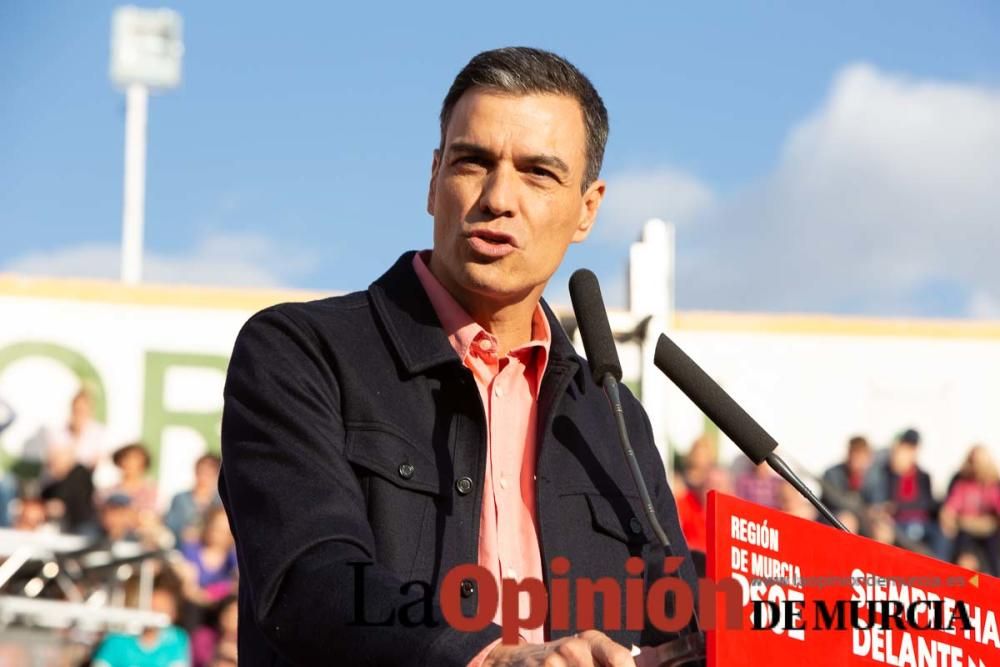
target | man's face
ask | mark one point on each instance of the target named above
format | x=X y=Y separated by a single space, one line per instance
x=133 y=464
x=117 y=521
x=858 y=459
x=81 y=410
x=164 y=602
x=506 y=194
x=206 y=474
x=903 y=457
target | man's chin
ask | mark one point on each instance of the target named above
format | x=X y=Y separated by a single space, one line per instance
x=493 y=282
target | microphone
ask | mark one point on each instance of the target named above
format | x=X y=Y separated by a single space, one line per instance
x=731 y=419
x=717 y=405
x=592 y=320
x=602 y=356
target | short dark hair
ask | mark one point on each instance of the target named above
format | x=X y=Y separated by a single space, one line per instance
x=858 y=444
x=521 y=70
x=213 y=459
x=132 y=447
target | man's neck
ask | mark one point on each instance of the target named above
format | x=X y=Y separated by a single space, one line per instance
x=510 y=321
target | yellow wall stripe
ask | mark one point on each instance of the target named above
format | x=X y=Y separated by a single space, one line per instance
x=182 y=296
x=835 y=325
x=253 y=299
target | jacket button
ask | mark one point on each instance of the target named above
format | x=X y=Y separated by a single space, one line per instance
x=406 y=470
x=635 y=526
x=468 y=588
x=464 y=485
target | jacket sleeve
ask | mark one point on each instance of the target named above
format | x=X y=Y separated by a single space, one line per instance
x=299 y=516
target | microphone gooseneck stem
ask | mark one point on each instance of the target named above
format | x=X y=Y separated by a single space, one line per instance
x=780 y=467
x=610 y=386
x=694 y=651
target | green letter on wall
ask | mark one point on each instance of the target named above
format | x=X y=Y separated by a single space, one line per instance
x=69 y=358
x=156 y=417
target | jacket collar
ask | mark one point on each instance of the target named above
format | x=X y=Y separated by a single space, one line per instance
x=415 y=333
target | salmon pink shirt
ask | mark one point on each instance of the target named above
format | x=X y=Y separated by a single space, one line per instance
x=508 y=387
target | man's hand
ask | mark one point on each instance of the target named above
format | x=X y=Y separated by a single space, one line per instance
x=587 y=649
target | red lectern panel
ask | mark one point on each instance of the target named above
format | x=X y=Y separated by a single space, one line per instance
x=837 y=581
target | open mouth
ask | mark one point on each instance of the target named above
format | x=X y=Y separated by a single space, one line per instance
x=494 y=238
x=490 y=244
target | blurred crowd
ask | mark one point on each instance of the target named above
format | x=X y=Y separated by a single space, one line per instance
x=883 y=494
x=83 y=484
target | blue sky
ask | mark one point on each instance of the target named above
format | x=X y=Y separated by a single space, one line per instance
x=834 y=159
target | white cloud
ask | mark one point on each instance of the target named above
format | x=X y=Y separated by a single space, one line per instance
x=886 y=200
x=232 y=259
x=636 y=196
x=984 y=305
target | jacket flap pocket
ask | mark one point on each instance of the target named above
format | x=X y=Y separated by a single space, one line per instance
x=617 y=516
x=378 y=448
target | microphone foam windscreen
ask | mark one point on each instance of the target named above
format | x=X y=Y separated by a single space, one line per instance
x=592 y=318
x=713 y=400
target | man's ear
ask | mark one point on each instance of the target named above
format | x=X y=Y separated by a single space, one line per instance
x=432 y=186
x=588 y=211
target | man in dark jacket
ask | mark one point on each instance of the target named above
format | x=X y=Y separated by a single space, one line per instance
x=372 y=443
x=843 y=484
x=902 y=489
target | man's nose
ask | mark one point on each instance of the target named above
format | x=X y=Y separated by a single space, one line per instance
x=499 y=195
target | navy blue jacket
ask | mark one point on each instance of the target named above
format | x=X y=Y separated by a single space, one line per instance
x=353 y=446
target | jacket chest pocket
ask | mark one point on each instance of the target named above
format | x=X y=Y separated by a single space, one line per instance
x=618 y=529
x=405 y=489
x=619 y=517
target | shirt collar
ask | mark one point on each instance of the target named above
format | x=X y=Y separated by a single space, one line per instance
x=463 y=331
x=414 y=333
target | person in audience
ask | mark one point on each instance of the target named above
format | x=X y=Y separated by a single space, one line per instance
x=209 y=642
x=970 y=560
x=225 y=657
x=792 y=502
x=136 y=485
x=133 y=461
x=699 y=473
x=87 y=438
x=8 y=495
x=188 y=508
x=902 y=489
x=970 y=513
x=212 y=558
x=842 y=484
x=68 y=492
x=168 y=646
x=8 y=483
x=881 y=527
x=118 y=519
x=29 y=514
x=758 y=484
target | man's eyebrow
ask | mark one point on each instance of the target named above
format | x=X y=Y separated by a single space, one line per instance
x=542 y=160
x=550 y=161
x=468 y=148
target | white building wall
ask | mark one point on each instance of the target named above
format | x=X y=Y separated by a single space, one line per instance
x=811 y=381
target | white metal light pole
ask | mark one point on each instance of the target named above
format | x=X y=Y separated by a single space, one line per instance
x=134 y=198
x=146 y=51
